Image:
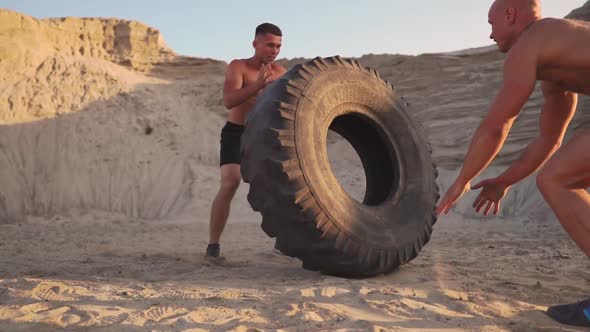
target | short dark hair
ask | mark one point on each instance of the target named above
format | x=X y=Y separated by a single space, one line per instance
x=268 y=28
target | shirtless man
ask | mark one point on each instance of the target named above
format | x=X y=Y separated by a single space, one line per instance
x=244 y=80
x=556 y=52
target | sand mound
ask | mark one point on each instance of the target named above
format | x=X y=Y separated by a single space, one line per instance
x=26 y=42
x=79 y=130
x=582 y=13
x=99 y=114
x=114 y=141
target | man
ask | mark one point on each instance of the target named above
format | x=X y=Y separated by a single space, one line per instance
x=556 y=52
x=244 y=80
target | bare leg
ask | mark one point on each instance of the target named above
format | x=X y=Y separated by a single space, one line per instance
x=563 y=182
x=230 y=180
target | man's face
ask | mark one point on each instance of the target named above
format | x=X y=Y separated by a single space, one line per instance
x=267 y=47
x=501 y=19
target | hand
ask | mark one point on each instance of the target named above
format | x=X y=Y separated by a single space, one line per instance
x=453 y=194
x=492 y=193
x=265 y=75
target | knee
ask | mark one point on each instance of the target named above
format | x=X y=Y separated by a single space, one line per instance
x=230 y=183
x=546 y=179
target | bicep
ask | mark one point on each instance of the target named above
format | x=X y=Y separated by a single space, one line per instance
x=558 y=109
x=518 y=85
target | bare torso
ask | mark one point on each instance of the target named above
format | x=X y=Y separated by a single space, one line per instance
x=563 y=53
x=249 y=75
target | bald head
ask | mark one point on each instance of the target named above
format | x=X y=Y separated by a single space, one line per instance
x=526 y=10
x=509 y=18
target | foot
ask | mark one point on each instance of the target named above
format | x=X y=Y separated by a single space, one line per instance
x=212 y=251
x=576 y=314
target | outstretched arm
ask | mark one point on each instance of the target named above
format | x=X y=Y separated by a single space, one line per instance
x=557 y=112
x=519 y=82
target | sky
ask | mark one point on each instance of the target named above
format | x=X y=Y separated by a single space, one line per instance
x=224 y=29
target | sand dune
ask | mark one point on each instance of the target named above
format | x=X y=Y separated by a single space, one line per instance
x=108 y=164
x=86 y=132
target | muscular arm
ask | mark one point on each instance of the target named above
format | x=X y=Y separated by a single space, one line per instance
x=233 y=92
x=557 y=112
x=519 y=83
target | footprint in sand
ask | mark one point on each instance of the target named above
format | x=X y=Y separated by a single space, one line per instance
x=156 y=314
x=99 y=319
x=45 y=313
x=52 y=292
x=181 y=294
x=108 y=320
x=35 y=307
x=334 y=291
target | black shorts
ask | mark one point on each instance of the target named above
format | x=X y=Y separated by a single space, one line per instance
x=231 y=135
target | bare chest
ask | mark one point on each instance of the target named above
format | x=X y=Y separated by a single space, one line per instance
x=249 y=78
x=570 y=79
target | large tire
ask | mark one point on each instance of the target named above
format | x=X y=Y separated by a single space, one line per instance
x=284 y=159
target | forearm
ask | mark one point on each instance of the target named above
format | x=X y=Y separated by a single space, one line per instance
x=237 y=97
x=485 y=145
x=533 y=157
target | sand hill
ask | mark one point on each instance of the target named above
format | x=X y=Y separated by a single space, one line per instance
x=582 y=13
x=80 y=95
x=109 y=162
x=100 y=114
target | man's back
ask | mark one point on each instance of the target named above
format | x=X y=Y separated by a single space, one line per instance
x=561 y=50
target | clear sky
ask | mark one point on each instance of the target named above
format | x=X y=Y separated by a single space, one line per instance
x=224 y=29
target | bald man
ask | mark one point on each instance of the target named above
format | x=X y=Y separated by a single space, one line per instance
x=557 y=53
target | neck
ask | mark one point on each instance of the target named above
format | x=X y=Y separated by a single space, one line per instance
x=256 y=61
x=525 y=26
x=528 y=24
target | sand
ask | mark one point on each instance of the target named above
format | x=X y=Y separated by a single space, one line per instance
x=95 y=271
x=109 y=164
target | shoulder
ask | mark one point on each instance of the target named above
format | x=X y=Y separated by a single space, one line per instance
x=545 y=24
x=277 y=67
x=236 y=68
x=529 y=44
x=544 y=30
x=237 y=64
x=540 y=39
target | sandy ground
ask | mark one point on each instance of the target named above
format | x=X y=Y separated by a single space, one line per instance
x=91 y=271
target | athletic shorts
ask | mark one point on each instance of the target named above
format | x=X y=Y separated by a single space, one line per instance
x=231 y=135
